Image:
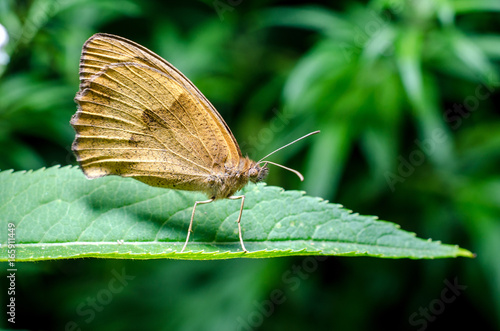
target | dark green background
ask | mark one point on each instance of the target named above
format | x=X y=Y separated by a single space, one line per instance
x=406 y=96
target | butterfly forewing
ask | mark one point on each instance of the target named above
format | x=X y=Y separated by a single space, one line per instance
x=103 y=49
x=145 y=119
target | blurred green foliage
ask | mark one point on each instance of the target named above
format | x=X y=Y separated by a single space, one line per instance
x=406 y=96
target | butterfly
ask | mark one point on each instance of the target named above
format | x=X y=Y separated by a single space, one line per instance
x=140 y=117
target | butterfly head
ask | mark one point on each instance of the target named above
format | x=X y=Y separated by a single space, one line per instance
x=258 y=173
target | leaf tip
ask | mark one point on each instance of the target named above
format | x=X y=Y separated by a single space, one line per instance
x=466 y=253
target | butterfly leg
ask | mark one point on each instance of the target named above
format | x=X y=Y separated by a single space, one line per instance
x=242 y=197
x=191 y=223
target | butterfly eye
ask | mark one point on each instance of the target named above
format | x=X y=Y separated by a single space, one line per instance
x=253 y=172
x=257 y=174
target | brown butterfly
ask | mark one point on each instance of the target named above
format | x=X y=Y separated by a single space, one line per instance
x=140 y=117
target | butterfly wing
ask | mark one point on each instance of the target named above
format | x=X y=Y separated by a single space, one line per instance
x=140 y=117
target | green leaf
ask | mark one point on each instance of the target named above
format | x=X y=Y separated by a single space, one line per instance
x=59 y=214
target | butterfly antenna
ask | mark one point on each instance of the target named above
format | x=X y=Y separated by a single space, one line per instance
x=289 y=169
x=293 y=142
x=282 y=166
